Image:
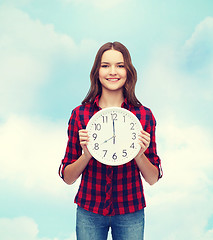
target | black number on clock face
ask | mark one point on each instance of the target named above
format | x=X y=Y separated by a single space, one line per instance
x=94 y=135
x=134 y=136
x=114 y=156
x=124 y=153
x=114 y=116
x=97 y=126
x=132 y=126
x=105 y=119
x=96 y=146
x=105 y=152
x=132 y=145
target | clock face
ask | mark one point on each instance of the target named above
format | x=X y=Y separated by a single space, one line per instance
x=113 y=134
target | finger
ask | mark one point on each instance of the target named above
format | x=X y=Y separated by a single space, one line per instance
x=143 y=147
x=84 y=141
x=144 y=137
x=83 y=130
x=83 y=144
x=142 y=132
x=144 y=141
x=83 y=134
x=147 y=138
x=84 y=138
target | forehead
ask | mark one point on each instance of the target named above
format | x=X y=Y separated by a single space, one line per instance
x=112 y=56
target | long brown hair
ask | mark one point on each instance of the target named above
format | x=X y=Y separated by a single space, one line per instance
x=129 y=87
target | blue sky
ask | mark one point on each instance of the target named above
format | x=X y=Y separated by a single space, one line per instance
x=47 y=49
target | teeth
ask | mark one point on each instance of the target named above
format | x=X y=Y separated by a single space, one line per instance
x=113 y=80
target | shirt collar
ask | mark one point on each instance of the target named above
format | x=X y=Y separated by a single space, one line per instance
x=125 y=104
x=96 y=101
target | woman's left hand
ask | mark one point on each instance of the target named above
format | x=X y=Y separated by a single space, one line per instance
x=144 y=141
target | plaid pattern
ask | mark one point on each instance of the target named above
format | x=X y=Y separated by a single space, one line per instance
x=109 y=190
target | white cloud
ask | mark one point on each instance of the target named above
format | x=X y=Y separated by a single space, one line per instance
x=20 y=228
x=27 y=49
x=162 y=82
x=31 y=151
x=20 y=33
x=179 y=90
x=203 y=34
x=179 y=206
x=197 y=52
x=179 y=78
x=209 y=235
x=29 y=53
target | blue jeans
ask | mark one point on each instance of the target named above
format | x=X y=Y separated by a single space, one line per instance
x=92 y=226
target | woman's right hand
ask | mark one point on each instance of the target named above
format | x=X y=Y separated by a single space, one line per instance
x=84 y=139
x=75 y=169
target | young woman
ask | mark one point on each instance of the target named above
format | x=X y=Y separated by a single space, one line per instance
x=110 y=196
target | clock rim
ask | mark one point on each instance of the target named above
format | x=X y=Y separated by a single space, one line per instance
x=111 y=109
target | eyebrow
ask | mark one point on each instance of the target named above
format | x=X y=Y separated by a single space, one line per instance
x=109 y=63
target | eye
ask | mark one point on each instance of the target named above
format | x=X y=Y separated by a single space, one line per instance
x=121 y=66
x=104 y=66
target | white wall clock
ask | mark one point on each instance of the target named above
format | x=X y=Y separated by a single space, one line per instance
x=113 y=134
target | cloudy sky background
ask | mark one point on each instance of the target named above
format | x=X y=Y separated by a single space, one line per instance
x=47 y=49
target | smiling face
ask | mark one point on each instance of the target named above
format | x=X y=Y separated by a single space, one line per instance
x=112 y=72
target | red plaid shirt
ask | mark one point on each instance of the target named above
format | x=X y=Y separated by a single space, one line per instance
x=109 y=190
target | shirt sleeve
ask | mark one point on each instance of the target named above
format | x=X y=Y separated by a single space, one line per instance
x=73 y=149
x=151 y=152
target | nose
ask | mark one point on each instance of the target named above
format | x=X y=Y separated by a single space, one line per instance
x=112 y=70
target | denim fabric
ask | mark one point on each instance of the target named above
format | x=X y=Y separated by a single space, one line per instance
x=92 y=226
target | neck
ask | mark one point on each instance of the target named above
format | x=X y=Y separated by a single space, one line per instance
x=111 y=99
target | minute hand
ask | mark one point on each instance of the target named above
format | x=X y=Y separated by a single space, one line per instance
x=113 y=123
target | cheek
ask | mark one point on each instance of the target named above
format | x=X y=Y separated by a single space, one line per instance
x=101 y=73
x=123 y=73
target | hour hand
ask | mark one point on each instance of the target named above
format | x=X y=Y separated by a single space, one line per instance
x=108 y=139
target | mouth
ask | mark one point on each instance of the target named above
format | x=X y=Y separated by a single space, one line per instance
x=113 y=79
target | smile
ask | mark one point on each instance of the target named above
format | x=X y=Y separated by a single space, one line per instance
x=112 y=79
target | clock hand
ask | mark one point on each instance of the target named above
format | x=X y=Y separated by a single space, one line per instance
x=113 y=123
x=108 y=139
